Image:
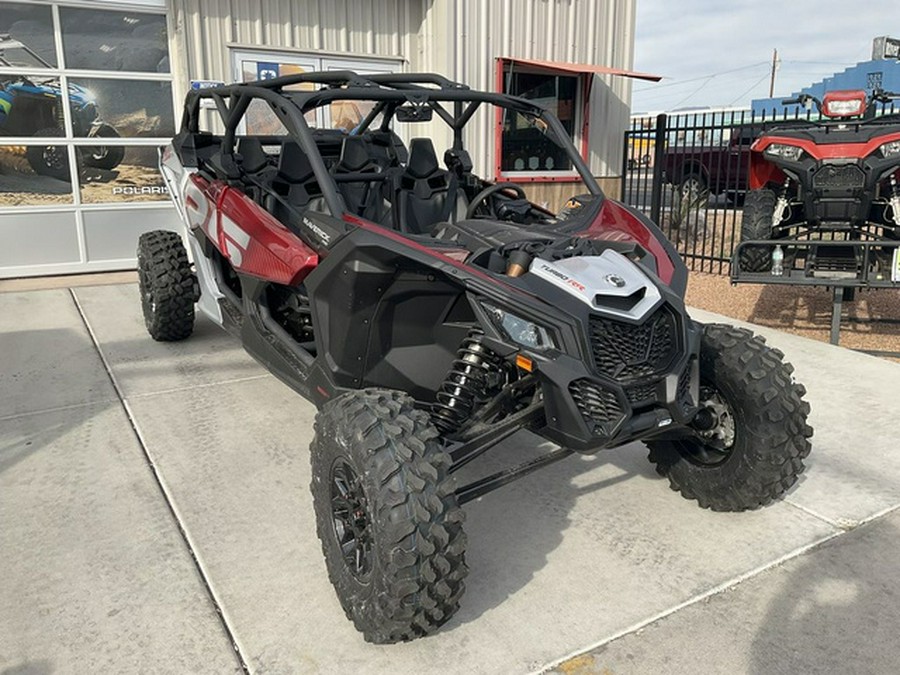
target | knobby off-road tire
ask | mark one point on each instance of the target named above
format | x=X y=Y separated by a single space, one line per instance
x=51 y=159
x=770 y=431
x=106 y=157
x=168 y=286
x=387 y=515
x=759 y=207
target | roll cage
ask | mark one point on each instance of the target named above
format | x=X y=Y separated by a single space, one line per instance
x=389 y=91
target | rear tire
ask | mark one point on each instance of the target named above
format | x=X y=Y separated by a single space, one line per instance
x=168 y=286
x=387 y=515
x=759 y=208
x=49 y=160
x=692 y=185
x=757 y=449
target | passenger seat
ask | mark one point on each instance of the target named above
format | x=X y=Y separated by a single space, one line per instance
x=424 y=197
x=364 y=197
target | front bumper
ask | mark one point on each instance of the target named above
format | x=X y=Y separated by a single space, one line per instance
x=593 y=404
x=842 y=191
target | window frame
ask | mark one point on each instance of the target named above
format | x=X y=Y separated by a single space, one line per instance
x=582 y=126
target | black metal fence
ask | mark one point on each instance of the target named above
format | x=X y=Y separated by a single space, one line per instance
x=689 y=172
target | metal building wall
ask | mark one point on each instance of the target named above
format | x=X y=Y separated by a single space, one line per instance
x=204 y=29
x=467 y=36
x=458 y=38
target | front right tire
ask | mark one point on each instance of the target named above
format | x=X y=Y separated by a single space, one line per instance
x=387 y=515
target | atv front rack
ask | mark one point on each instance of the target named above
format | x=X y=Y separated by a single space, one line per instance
x=842 y=266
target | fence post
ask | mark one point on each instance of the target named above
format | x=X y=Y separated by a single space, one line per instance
x=658 y=159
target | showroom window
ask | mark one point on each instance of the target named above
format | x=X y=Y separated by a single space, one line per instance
x=85 y=103
x=261 y=120
x=525 y=149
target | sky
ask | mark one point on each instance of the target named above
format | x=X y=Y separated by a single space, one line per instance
x=719 y=54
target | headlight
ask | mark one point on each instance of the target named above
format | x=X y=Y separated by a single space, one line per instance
x=789 y=152
x=890 y=149
x=521 y=331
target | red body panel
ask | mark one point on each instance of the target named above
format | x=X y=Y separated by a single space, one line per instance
x=763 y=171
x=249 y=236
x=615 y=222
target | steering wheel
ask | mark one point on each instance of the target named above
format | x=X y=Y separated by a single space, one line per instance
x=483 y=196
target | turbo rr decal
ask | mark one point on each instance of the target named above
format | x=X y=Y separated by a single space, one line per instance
x=561 y=276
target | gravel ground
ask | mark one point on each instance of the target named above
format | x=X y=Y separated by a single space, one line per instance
x=871 y=322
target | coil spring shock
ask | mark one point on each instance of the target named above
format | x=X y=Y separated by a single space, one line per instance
x=466 y=379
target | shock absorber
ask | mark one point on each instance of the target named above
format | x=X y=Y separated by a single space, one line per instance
x=895 y=200
x=467 y=378
x=781 y=204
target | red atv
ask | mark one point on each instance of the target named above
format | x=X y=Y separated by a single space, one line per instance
x=838 y=175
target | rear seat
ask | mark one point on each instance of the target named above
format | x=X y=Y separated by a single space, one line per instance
x=365 y=197
x=295 y=181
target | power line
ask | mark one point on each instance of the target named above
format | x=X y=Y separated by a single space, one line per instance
x=702 y=77
x=755 y=84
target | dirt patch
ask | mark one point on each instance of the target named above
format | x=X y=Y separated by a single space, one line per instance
x=870 y=322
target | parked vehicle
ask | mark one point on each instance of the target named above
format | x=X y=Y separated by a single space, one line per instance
x=32 y=107
x=709 y=166
x=838 y=175
x=429 y=314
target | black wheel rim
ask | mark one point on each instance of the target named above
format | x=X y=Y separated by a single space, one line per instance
x=713 y=446
x=53 y=157
x=350 y=519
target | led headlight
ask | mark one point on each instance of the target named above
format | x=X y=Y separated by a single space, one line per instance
x=521 y=331
x=890 y=149
x=789 y=152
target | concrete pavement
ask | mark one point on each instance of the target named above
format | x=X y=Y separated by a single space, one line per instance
x=174 y=489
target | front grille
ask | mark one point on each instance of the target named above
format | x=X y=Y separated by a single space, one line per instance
x=839 y=177
x=641 y=393
x=599 y=407
x=624 y=351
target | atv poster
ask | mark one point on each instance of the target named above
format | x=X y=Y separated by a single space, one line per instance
x=38 y=116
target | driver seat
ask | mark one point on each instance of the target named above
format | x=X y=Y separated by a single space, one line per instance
x=427 y=193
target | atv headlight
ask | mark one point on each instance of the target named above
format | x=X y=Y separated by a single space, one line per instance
x=889 y=149
x=521 y=331
x=790 y=153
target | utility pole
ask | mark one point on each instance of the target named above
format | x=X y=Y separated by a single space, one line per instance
x=774 y=68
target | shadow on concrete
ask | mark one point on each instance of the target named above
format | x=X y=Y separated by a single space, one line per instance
x=511 y=532
x=838 y=610
x=37 y=667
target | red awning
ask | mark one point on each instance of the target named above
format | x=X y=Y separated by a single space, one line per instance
x=581 y=68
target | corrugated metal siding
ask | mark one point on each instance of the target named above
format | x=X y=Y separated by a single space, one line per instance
x=467 y=36
x=203 y=28
x=458 y=38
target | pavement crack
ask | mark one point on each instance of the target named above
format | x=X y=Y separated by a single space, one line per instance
x=166 y=494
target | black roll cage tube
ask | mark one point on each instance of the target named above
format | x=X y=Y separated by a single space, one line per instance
x=389 y=90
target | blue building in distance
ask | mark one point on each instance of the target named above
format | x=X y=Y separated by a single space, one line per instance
x=882 y=72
